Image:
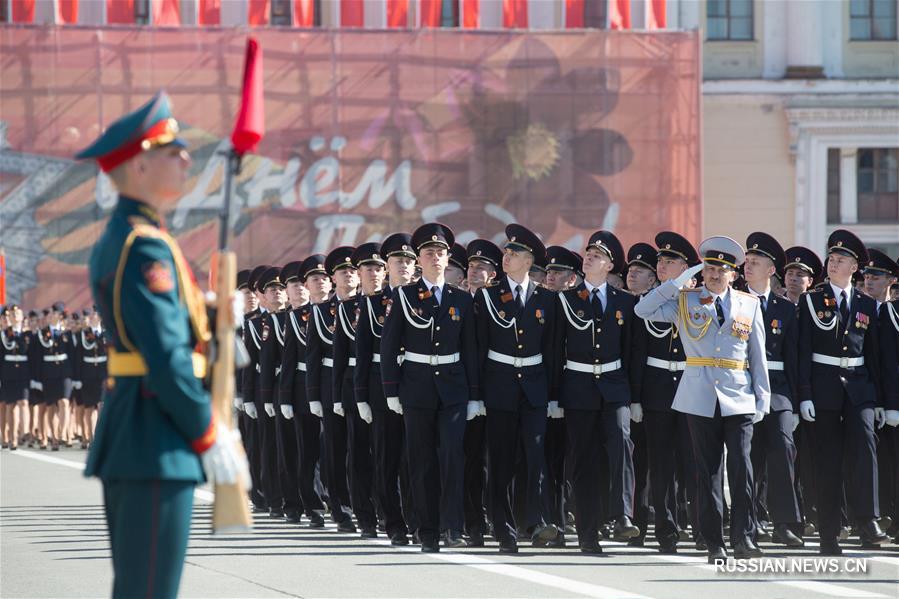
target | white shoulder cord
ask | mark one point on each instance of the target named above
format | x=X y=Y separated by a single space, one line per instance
x=9 y=346
x=894 y=316
x=371 y=317
x=317 y=317
x=85 y=344
x=811 y=309
x=656 y=332
x=348 y=329
x=253 y=335
x=411 y=318
x=279 y=334
x=580 y=325
x=296 y=328
x=495 y=315
x=40 y=337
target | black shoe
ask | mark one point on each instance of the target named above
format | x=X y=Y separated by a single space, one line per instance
x=624 y=529
x=276 y=513
x=430 y=546
x=830 y=547
x=292 y=517
x=762 y=535
x=259 y=509
x=591 y=548
x=453 y=539
x=701 y=545
x=476 y=539
x=668 y=547
x=558 y=542
x=746 y=548
x=416 y=540
x=683 y=535
x=871 y=534
x=316 y=521
x=508 y=546
x=810 y=529
x=636 y=542
x=717 y=554
x=543 y=535
x=606 y=530
x=845 y=533
x=784 y=536
x=369 y=532
x=346 y=526
x=399 y=539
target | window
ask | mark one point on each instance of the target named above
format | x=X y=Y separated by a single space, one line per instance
x=729 y=20
x=449 y=13
x=595 y=15
x=833 y=185
x=878 y=185
x=4 y=11
x=281 y=14
x=872 y=20
x=142 y=12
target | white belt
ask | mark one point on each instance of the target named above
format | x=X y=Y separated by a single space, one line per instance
x=515 y=361
x=301 y=366
x=351 y=361
x=95 y=360
x=329 y=362
x=434 y=360
x=376 y=358
x=592 y=368
x=669 y=365
x=12 y=358
x=774 y=365
x=841 y=362
x=56 y=358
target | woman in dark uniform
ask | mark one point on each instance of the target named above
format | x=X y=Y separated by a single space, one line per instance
x=14 y=372
x=92 y=368
x=54 y=377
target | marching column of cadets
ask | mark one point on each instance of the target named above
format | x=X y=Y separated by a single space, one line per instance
x=444 y=394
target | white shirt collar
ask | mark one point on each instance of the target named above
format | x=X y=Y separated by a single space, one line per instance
x=838 y=290
x=602 y=288
x=723 y=296
x=766 y=295
x=429 y=285
x=524 y=284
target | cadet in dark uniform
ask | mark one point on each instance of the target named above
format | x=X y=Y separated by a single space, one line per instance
x=156 y=434
x=292 y=384
x=15 y=373
x=593 y=345
x=248 y=378
x=773 y=449
x=367 y=261
x=840 y=389
x=387 y=431
x=889 y=344
x=430 y=326
x=319 y=384
x=484 y=259
x=92 y=374
x=55 y=374
x=457 y=267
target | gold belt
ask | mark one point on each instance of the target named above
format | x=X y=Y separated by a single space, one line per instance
x=132 y=364
x=719 y=363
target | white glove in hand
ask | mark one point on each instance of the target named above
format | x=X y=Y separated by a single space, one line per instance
x=316 y=408
x=794 y=419
x=472 y=410
x=269 y=409
x=554 y=411
x=338 y=409
x=364 y=411
x=224 y=463
x=758 y=417
x=237 y=308
x=892 y=417
x=807 y=409
x=880 y=417
x=394 y=404
x=76 y=384
x=636 y=412
x=688 y=274
x=250 y=408
x=238 y=403
x=287 y=411
x=482 y=409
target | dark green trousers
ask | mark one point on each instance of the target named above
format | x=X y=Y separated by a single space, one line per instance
x=149 y=524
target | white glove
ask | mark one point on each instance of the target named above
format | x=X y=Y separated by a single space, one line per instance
x=892 y=417
x=287 y=411
x=224 y=463
x=237 y=308
x=636 y=412
x=269 y=409
x=794 y=418
x=482 y=409
x=688 y=274
x=880 y=417
x=250 y=408
x=338 y=409
x=238 y=403
x=758 y=417
x=364 y=411
x=76 y=384
x=394 y=404
x=36 y=385
x=554 y=411
x=316 y=408
x=472 y=410
x=807 y=409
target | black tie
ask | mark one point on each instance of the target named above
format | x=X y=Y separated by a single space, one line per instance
x=434 y=291
x=597 y=303
x=720 y=311
x=764 y=303
x=844 y=308
x=519 y=296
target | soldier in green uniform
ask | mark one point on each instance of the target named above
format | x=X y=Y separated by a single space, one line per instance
x=156 y=434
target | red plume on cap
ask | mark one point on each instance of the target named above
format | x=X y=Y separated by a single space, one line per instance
x=250 y=125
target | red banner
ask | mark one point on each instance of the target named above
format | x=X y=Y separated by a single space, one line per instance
x=367 y=133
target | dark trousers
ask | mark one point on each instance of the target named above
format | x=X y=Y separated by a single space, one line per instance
x=589 y=431
x=710 y=436
x=307 y=432
x=556 y=483
x=845 y=433
x=391 y=476
x=249 y=434
x=475 y=478
x=149 y=524
x=886 y=468
x=664 y=433
x=505 y=431
x=804 y=437
x=641 y=476
x=434 y=439
x=268 y=459
x=287 y=464
x=361 y=463
x=334 y=441
x=774 y=452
